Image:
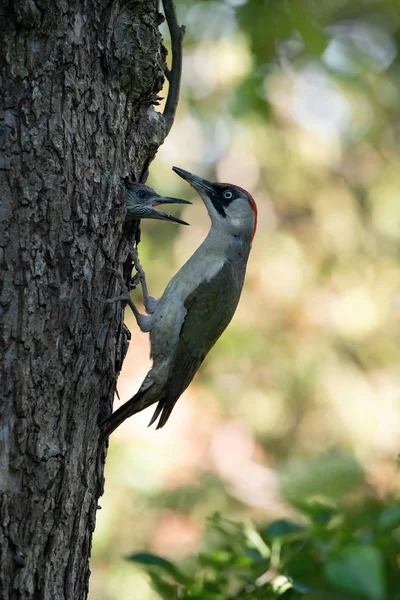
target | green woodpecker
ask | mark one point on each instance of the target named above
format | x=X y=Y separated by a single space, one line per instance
x=197 y=304
x=141 y=201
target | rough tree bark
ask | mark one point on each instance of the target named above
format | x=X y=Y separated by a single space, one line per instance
x=78 y=81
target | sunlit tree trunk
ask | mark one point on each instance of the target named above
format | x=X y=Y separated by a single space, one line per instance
x=78 y=81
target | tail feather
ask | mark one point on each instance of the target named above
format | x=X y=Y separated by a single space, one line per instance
x=164 y=408
x=141 y=400
x=156 y=413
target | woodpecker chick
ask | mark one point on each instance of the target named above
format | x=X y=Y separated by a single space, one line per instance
x=141 y=201
x=197 y=304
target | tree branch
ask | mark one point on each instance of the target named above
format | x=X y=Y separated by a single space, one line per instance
x=174 y=74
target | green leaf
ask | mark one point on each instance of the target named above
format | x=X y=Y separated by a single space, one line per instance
x=205 y=596
x=282 y=528
x=315 y=39
x=151 y=560
x=320 y=513
x=389 y=519
x=251 y=556
x=360 y=571
x=217 y=558
x=166 y=590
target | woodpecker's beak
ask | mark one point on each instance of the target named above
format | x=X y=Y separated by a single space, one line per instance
x=195 y=181
x=162 y=216
x=166 y=200
x=206 y=190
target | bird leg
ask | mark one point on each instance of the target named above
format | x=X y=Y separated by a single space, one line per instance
x=150 y=303
x=144 y=321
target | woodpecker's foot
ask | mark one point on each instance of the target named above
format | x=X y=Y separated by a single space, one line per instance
x=144 y=321
x=140 y=274
x=124 y=297
x=150 y=303
x=134 y=282
x=121 y=298
x=136 y=262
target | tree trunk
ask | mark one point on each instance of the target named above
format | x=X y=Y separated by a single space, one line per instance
x=78 y=81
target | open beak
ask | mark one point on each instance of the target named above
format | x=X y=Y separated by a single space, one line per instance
x=158 y=214
x=195 y=181
x=164 y=216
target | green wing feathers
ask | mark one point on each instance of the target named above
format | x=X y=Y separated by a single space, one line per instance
x=210 y=308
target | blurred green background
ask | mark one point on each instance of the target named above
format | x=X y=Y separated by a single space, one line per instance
x=299 y=402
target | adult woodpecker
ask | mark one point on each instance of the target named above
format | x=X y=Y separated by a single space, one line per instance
x=197 y=304
x=141 y=201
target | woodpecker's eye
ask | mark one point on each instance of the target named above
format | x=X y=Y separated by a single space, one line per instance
x=227 y=195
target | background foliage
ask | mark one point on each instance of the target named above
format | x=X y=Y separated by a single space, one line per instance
x=290 y=432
